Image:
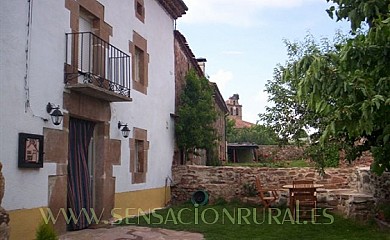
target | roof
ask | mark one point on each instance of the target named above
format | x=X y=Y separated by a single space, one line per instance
x=188 y=52
x=219 y=99
x=175 y=8
x=243 y=124
x=242 y=145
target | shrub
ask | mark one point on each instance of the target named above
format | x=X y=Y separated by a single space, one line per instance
x=324 y=155
x=45 y=232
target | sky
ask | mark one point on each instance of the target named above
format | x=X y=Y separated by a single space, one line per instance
x=242 y=41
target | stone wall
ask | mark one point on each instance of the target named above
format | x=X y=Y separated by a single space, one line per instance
x=364 y=160
x=370 y=183
x=4 y=217
x=280 y=153
x=349 y=203
x=292 y=152
x=228 y=182
x=352 y=191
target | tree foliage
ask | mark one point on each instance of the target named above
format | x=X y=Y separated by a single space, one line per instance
x=325 y=155
x=258 y=134
x=356 y=82
x=346 y=87
x=194 y=127
x=288 y=115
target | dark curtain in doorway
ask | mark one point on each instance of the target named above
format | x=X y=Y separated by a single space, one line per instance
x=79 y=192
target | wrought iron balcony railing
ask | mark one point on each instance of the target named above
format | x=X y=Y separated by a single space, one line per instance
x=90 y=59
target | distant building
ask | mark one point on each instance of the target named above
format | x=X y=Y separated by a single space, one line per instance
x=235 y=112
x=242 y=152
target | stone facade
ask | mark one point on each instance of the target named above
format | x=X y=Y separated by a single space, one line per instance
x=184 y=61
x=220 y=124
x=4 y=217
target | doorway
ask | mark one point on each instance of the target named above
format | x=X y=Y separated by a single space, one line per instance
x=85 y=51
x=80 y=197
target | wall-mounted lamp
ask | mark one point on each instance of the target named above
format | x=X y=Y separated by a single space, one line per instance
x=55 y=113
x=125 y=130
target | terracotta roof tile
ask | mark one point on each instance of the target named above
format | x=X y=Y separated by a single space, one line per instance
x=175 y=8
x=243 y=124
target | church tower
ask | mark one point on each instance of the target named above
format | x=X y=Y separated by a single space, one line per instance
x=235 y=109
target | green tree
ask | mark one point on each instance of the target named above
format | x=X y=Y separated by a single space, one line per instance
x=258 y=134
x=231 y=131
x=288 y=115
x=351 y=85
x=194 y=126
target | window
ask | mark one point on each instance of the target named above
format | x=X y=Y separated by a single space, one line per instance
x=139 y=156
x=140 y=10
x=139 y=147
x=139 y=66
x=140 y=61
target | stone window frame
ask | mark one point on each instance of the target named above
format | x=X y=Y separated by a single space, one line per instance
x=139 y=137
x=139 y=8
x=140 y=46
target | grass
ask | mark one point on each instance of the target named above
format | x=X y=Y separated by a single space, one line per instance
x=238 y=221
x=275 y=164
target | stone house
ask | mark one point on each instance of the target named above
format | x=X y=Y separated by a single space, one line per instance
x=77 y=61
x=184 y=61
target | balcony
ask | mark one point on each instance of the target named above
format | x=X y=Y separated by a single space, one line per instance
x=96 y=68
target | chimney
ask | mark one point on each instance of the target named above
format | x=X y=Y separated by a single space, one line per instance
x=202 y=64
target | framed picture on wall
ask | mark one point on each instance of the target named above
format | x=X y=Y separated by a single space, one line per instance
x=30 y=151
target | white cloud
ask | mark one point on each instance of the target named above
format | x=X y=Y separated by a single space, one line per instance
x=233 y=12
x=221 y=78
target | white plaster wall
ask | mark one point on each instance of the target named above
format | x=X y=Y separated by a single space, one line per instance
x=28 y=188
x=151 y=111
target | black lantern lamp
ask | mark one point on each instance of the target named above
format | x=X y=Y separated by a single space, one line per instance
x=125 y=130
x=55 y=113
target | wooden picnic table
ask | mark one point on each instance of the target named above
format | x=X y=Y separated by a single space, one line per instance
x=291 y=189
